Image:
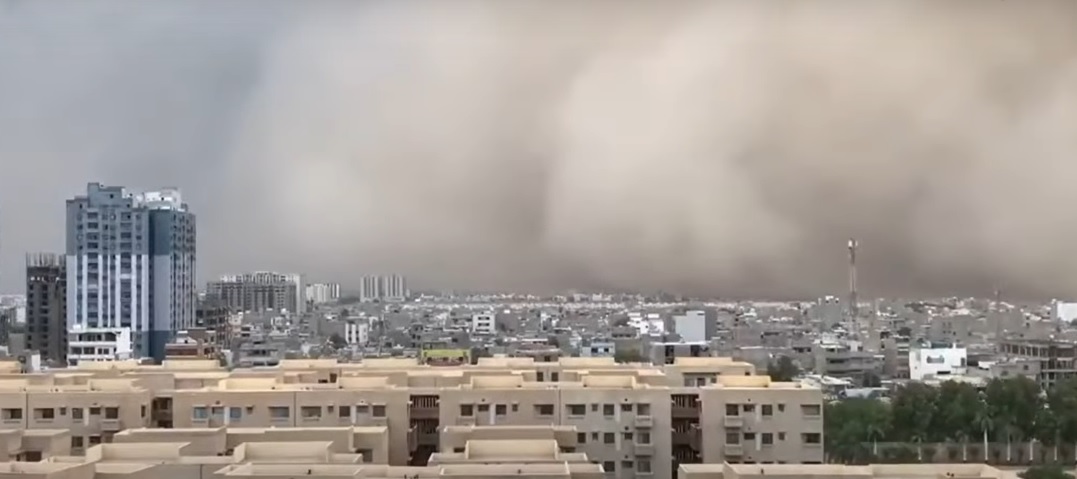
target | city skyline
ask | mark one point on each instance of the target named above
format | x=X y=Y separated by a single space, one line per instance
x=481 y=148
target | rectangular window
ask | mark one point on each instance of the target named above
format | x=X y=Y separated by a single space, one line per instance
x=310 y=412
x=732 y=409
x=732 y=438
x=607 y=410
x=768 y=410
x=581 y=437
x=767 y=438
x=577 y=410
x=811 y=409
x=467 y=410
x=199 y=413
x=279 y=412
x=643 y=409
x=379 y=411
x=12 y=414
x=344 y=411
x=608 y=438
x=544 y=409
x=501 y=409
x=235 y=413
x=811 y=438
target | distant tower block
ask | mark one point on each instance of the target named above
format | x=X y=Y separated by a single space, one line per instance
x=853 y=299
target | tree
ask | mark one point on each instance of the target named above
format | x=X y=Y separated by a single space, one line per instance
x=1062 y=404
x=913 y=411
x=1045 y=472
x=850 y=424
x=628 y=355
x=337 y=341
x=957 y=407
x=783 y=370
x=1013 y=403
x=871 y=380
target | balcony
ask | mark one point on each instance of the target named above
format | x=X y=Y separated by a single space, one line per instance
x=643 y=449
x=644 y=421
x=734 y=450
x=111 y=425
x=733 y=422
x=692 y=438
x=424 y=407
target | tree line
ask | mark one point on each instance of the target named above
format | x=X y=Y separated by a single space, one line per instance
x=1013 y=412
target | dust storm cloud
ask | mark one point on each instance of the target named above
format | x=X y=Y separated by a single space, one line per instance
x=708 y=147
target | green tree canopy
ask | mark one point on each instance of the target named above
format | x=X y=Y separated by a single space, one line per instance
x=1046 y=472
x=782 y=370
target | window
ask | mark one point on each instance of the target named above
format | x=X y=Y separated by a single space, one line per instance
x=467 y=410
x=501 y=410
x=362 y=410
x=732 y=410
x=607 y=410
x=748 y=408
x=484 y=408
x=577 y=410
x=555 y=376
x=279 y=412
x=627 y=465
x=378 y=411
x=516 y=407
x=732 y=438
x=768 y=410
x=643 y=409
x=112 y=413
x=95 y=411
x=811 y=438
x=749 y=436
x=76 y=442
x=781 y=407
x=608 y=438
x=76 y=413
x=540 y=376
x=609 y=466
x=95 y=440
x=594 y=407
x=626 y=407
x=767 y=438
x=199 y=413
x=344 y=411
x=627 y=436
x=544 y=409
x=235 y=413
x=310 y=412
x=12 y=414
x=643 y=465
x=811 y=409
x=781 y=436
x=643 y=437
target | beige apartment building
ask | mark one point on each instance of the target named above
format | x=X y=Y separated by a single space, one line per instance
x=626 y=421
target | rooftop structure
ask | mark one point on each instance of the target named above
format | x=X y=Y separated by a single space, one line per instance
x=633 y=417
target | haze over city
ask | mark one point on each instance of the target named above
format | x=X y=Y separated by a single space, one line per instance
x=724 y=148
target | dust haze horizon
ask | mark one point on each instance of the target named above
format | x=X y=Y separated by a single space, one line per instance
x=724 y=148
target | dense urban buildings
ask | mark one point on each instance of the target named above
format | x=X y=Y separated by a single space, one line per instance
x=321 y=293
x=385 y=288
x=131 y=265
x=260 y=291
x=46 y=307
x=630 y=419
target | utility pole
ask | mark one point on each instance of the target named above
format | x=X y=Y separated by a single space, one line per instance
x=853 y=306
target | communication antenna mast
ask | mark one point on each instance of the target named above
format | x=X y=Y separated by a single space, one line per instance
x=853 y=299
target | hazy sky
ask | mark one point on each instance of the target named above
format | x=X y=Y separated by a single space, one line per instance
x=723 y=147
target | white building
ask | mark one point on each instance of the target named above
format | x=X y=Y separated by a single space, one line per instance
x=320 y=293
x=937 y=362
x=356 y=333
x=98 y=344
x=695 y=326
x=1064 y=311
x=393 y=287
x=483 y=323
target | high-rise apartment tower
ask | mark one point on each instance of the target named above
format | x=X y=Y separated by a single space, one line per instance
x=131 y=264
x=46 y=307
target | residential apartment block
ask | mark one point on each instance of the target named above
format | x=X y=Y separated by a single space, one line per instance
x=631 y=420
x=259 y=291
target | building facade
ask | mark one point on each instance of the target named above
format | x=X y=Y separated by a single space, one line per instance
x=260 y=291
x=633 y=420
x=386 y=288
x=131 y=264
x=321 y=293
x=46 y=307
